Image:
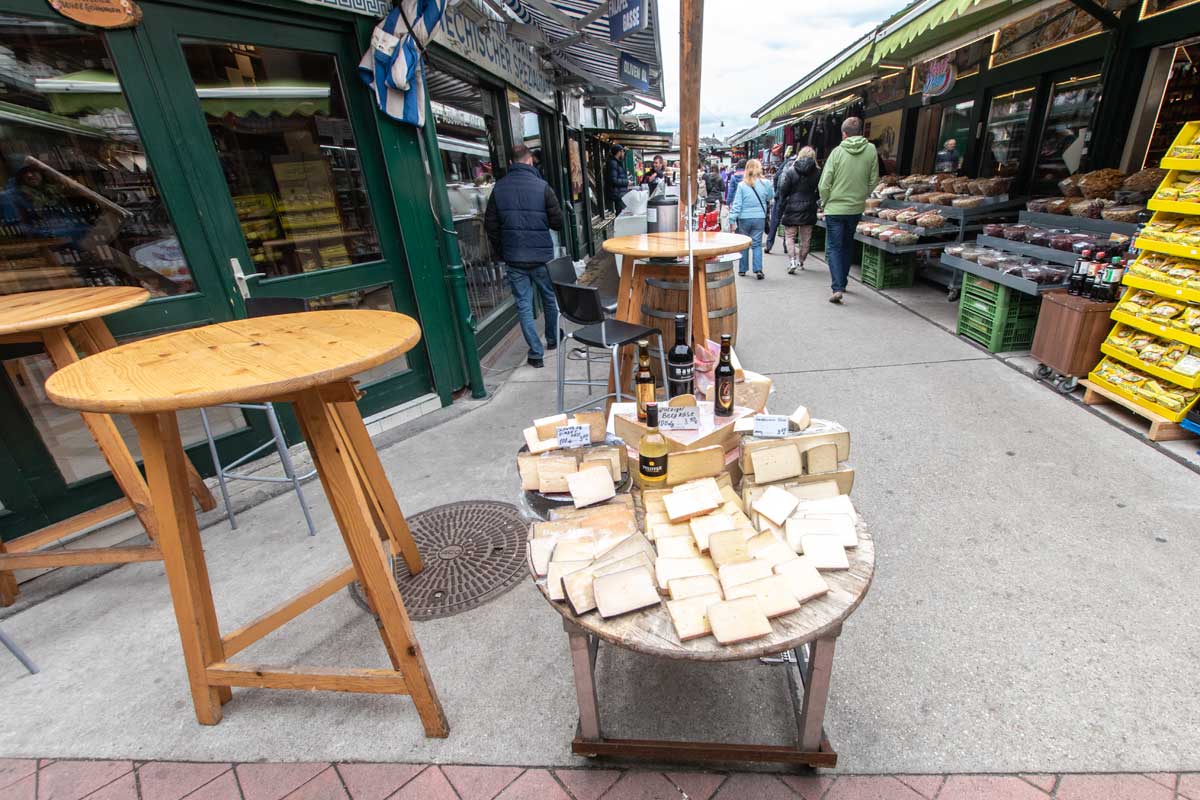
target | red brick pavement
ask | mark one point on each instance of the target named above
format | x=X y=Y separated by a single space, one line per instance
x=31 y=779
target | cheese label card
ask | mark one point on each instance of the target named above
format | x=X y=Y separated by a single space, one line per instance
x=678 y=418
x=770 y=426
x=574 y=436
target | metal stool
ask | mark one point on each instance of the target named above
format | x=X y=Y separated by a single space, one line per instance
x=18 y=652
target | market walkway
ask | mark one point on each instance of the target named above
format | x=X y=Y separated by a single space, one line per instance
x=1033 y=610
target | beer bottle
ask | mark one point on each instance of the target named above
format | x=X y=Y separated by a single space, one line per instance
x=644 y=380
x=680 y=361
x=1075 y=284
x=723 y=400
x=652 y=452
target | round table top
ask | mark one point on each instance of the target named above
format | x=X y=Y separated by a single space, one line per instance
x=651 y=631
x=241 y=361
x=705 y=244
x=57 y=308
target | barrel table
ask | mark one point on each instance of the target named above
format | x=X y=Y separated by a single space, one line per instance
x=640 y=280
x=805 y=638
x=307 y=360
x=66 y=322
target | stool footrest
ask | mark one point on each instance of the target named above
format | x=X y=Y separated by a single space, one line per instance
x=287 y=611
x=83 y=555
x=309 y=679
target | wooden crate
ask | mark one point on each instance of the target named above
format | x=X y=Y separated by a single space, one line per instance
x=1161 y=428
x=1069 y=333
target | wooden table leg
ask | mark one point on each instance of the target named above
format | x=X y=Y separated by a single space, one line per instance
x=8 y=585
x=350 y=508
x=626 y=310
x=183 y=557
x=700 y=330
x=816 y=693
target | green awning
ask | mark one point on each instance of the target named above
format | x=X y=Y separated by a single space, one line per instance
x=853 y=65
x=21 y=115
x=941 y=13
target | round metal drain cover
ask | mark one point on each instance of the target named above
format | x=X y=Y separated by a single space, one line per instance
x=473 y=551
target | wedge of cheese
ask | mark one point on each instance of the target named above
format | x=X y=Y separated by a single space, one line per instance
x=681 y=588
x=540 y=551
x=677 y=547
x=776 y=464
x=775 y=504
x=821 y=459
x=577 y=586
x=824 y=552
x=687 y=465
x=609 y=456
x=799 y=419
x=596 y=423
x=683 y=506
x=590 y=485
x=553 y=472
x=774 y=594
x=667 y=569
x=538 y=445
x=621 y=592
x=556 y=572
x=582 y=549
x=704 y=527
x=547 y=427
x=732 y=575
x=727 y=547
x=527 y=466
x=828 y=505
x=627 y=546
x=803 y=579
x=710 y=487
x=690 y=615
x=739 y=620
x=770 y=548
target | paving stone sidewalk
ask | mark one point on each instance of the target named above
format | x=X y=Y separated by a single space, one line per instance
x=30 y=779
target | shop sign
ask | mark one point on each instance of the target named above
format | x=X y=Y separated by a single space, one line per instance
x=626 y=17
x=939 y=78
x=635 y=73
x=100 y=13
x=489 y=47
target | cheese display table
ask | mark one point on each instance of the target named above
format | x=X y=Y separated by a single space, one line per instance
x=307 y=360
x=66 y=322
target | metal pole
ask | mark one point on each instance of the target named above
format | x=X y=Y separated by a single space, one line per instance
x=688 y=215
x=18 y=652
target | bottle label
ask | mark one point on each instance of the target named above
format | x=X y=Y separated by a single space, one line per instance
x=645 y=394
x=652 y=468
x=679 y=376
x=725 y=393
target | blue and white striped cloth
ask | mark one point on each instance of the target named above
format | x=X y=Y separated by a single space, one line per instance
x=392 y=67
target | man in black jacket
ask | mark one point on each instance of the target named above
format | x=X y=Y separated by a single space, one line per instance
x=618 y=178
x=520 y=213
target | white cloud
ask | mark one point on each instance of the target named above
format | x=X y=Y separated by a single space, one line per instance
x=754 y=49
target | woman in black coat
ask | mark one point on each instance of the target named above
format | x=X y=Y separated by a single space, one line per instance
x=797 y=201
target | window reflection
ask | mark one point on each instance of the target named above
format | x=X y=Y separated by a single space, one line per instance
x=1065 y=137
x=1007 y=130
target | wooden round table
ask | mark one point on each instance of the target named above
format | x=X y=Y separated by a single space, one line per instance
x=805 y=637
x=65 y=322
x=307 y=360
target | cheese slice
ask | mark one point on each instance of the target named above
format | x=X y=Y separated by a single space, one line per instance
x=574 y=549
x=770 y=548
x=553 y=472
x=731 y=497
x=774 y=594
x=839 y=525
x=608 y=456
x=547 y=427
x=593 y=484
x=619 y=507
x=828 y=505
x=669 y=530
x=775 y=504
x=681 y=588
x=744 y=425
x=654 y=519
x=685 y=505
x=537 y=445
x=667 y=569
x=732 y=575
x=740 y=620
x=554 y=575
x=815 y=491
x=800 y=419
x=621 y=592
x=821 y=459
x=710 y=486
x=527 y=466
x=824 y=552
x=803 y=579
x=627 y=546
x=690 y=615
x=705 y=527
x=776 y=464
x=540 y=551
x=677 y=547
x=727 y=547
x=596 y=424
x=577 y=586
x=686 y=465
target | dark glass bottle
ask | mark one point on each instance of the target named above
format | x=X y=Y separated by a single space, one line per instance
x=680 y=361
x=644 y=380
x=723 y=397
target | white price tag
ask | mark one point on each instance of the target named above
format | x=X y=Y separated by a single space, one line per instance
x=678 y=418
x=384 y=42
x=770 y=426
x=574 y=436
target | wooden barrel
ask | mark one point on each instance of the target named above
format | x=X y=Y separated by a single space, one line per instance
x=667 y=295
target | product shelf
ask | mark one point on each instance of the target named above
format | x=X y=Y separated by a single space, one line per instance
x=1185 y=164
x=1135 y=402
x=1168 y=290
x=1036 y=251
x=1023 y=285
x=1167 y=248
x=1158 y=372
x=1174 y=206
x=1158 y=329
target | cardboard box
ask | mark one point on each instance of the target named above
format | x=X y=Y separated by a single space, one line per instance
x=713 y=430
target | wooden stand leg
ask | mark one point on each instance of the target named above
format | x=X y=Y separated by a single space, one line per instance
x=183 y=557
x=626 y=312
x=8 y=585
x=816 y=693
x=700 y=330
x=350 y=507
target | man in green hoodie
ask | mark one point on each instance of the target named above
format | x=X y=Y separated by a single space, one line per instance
x=850 y=172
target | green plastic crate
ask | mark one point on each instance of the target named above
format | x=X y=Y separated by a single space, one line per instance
x=882 y=270
x=997 y=317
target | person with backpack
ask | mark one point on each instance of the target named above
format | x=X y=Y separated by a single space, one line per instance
x=773 y=226
x=797 y=204
x=748 y=213
x=733 y=180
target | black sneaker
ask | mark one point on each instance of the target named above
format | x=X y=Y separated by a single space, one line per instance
x=760 y=276
x=536 y=363
x=553 y=345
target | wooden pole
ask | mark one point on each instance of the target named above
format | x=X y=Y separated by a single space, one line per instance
x=691 y=36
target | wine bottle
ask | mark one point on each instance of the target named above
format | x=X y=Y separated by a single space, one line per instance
x=643 y=388
x=680 y=361
x=723 y=401
x=652 y=452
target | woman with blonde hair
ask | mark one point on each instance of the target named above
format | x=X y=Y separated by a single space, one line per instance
x=797 y=201
x=748 y=214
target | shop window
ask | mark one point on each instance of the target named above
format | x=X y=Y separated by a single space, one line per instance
x=954 y=137
x=1006 y=133
x=279 y=124
x=1180 y=102
x=78 y=203
x=1065 y=136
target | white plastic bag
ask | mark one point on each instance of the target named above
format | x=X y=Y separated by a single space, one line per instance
x=635 y=201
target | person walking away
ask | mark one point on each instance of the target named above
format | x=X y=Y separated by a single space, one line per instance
x=773 y=226
x=748 y=214
x=735 y=178
x=797 y=203
x=618 y=178
x=850 y=173
x=714 y=188
x=520 y=214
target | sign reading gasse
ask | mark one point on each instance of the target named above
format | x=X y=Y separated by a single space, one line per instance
x=100 y=13
x=635 y=73
x=626 y=17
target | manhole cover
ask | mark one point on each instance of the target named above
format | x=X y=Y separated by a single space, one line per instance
x=473 y=551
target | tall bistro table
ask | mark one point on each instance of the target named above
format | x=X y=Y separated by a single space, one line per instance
x=634 y=250
x=307 y=360
x=806 y=639
x=66 y=322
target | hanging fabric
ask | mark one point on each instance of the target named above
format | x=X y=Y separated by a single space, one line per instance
x=392 y=67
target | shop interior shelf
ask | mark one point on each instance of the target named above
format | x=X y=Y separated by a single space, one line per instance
x=1023 y=285
x=1043 y=220
x=1168 y=248
x=1162 y=289
x=1025 y=249
x=1162 y=413
x=1164 y=374
x=1158 y=329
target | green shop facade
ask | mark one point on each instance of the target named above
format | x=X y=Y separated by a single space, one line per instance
x=218 y=153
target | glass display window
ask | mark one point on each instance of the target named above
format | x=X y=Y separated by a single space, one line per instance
x=1065 y=135
x=954 y=137
x=1006 y=133
x=1180 y=102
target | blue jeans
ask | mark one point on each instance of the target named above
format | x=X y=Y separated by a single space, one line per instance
x=773 y=227
x=754 y=229
x=839 y=247
x=523 y=278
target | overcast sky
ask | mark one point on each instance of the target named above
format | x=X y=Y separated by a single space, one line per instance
x=754 y=49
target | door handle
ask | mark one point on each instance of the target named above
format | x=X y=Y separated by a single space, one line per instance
x=239 y=278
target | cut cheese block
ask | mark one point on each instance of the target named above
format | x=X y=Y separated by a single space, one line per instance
x=690 y=615
x=838 y=525
x=776 y=464
x=621 y=592
x=683 y=401
x=547 y=427
x=628 y=546
x=740 y=620
x=677 y=547
x=709 y=486
x=744 y=425
x=743 y=572
x=688 y=465
x=654 y=505
x=593 y=484
x=766 y=526
x=669 y=530
x=654 y=495
x=667 y=569
x=800 y=419
x=693 y=586
x=573 y=549
x=620 y=505
x=537 y=445
x=754 y=390
x=704 y=527
x=553 y=472
x=577 y=586
x=818 y=490
x=555 y=574
x=827 y=505
x=770 y=548
x=595 y=422
x=803 y=579
x=727 y=547
x=527 y=466
x=774 y=595
x=654 y=519
x=540 y=551
x=610 y=456
x=819 y=431
x=731 y=497
x=775 y=504
x=824 y=552
x=685 y=505
x=821 y=459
